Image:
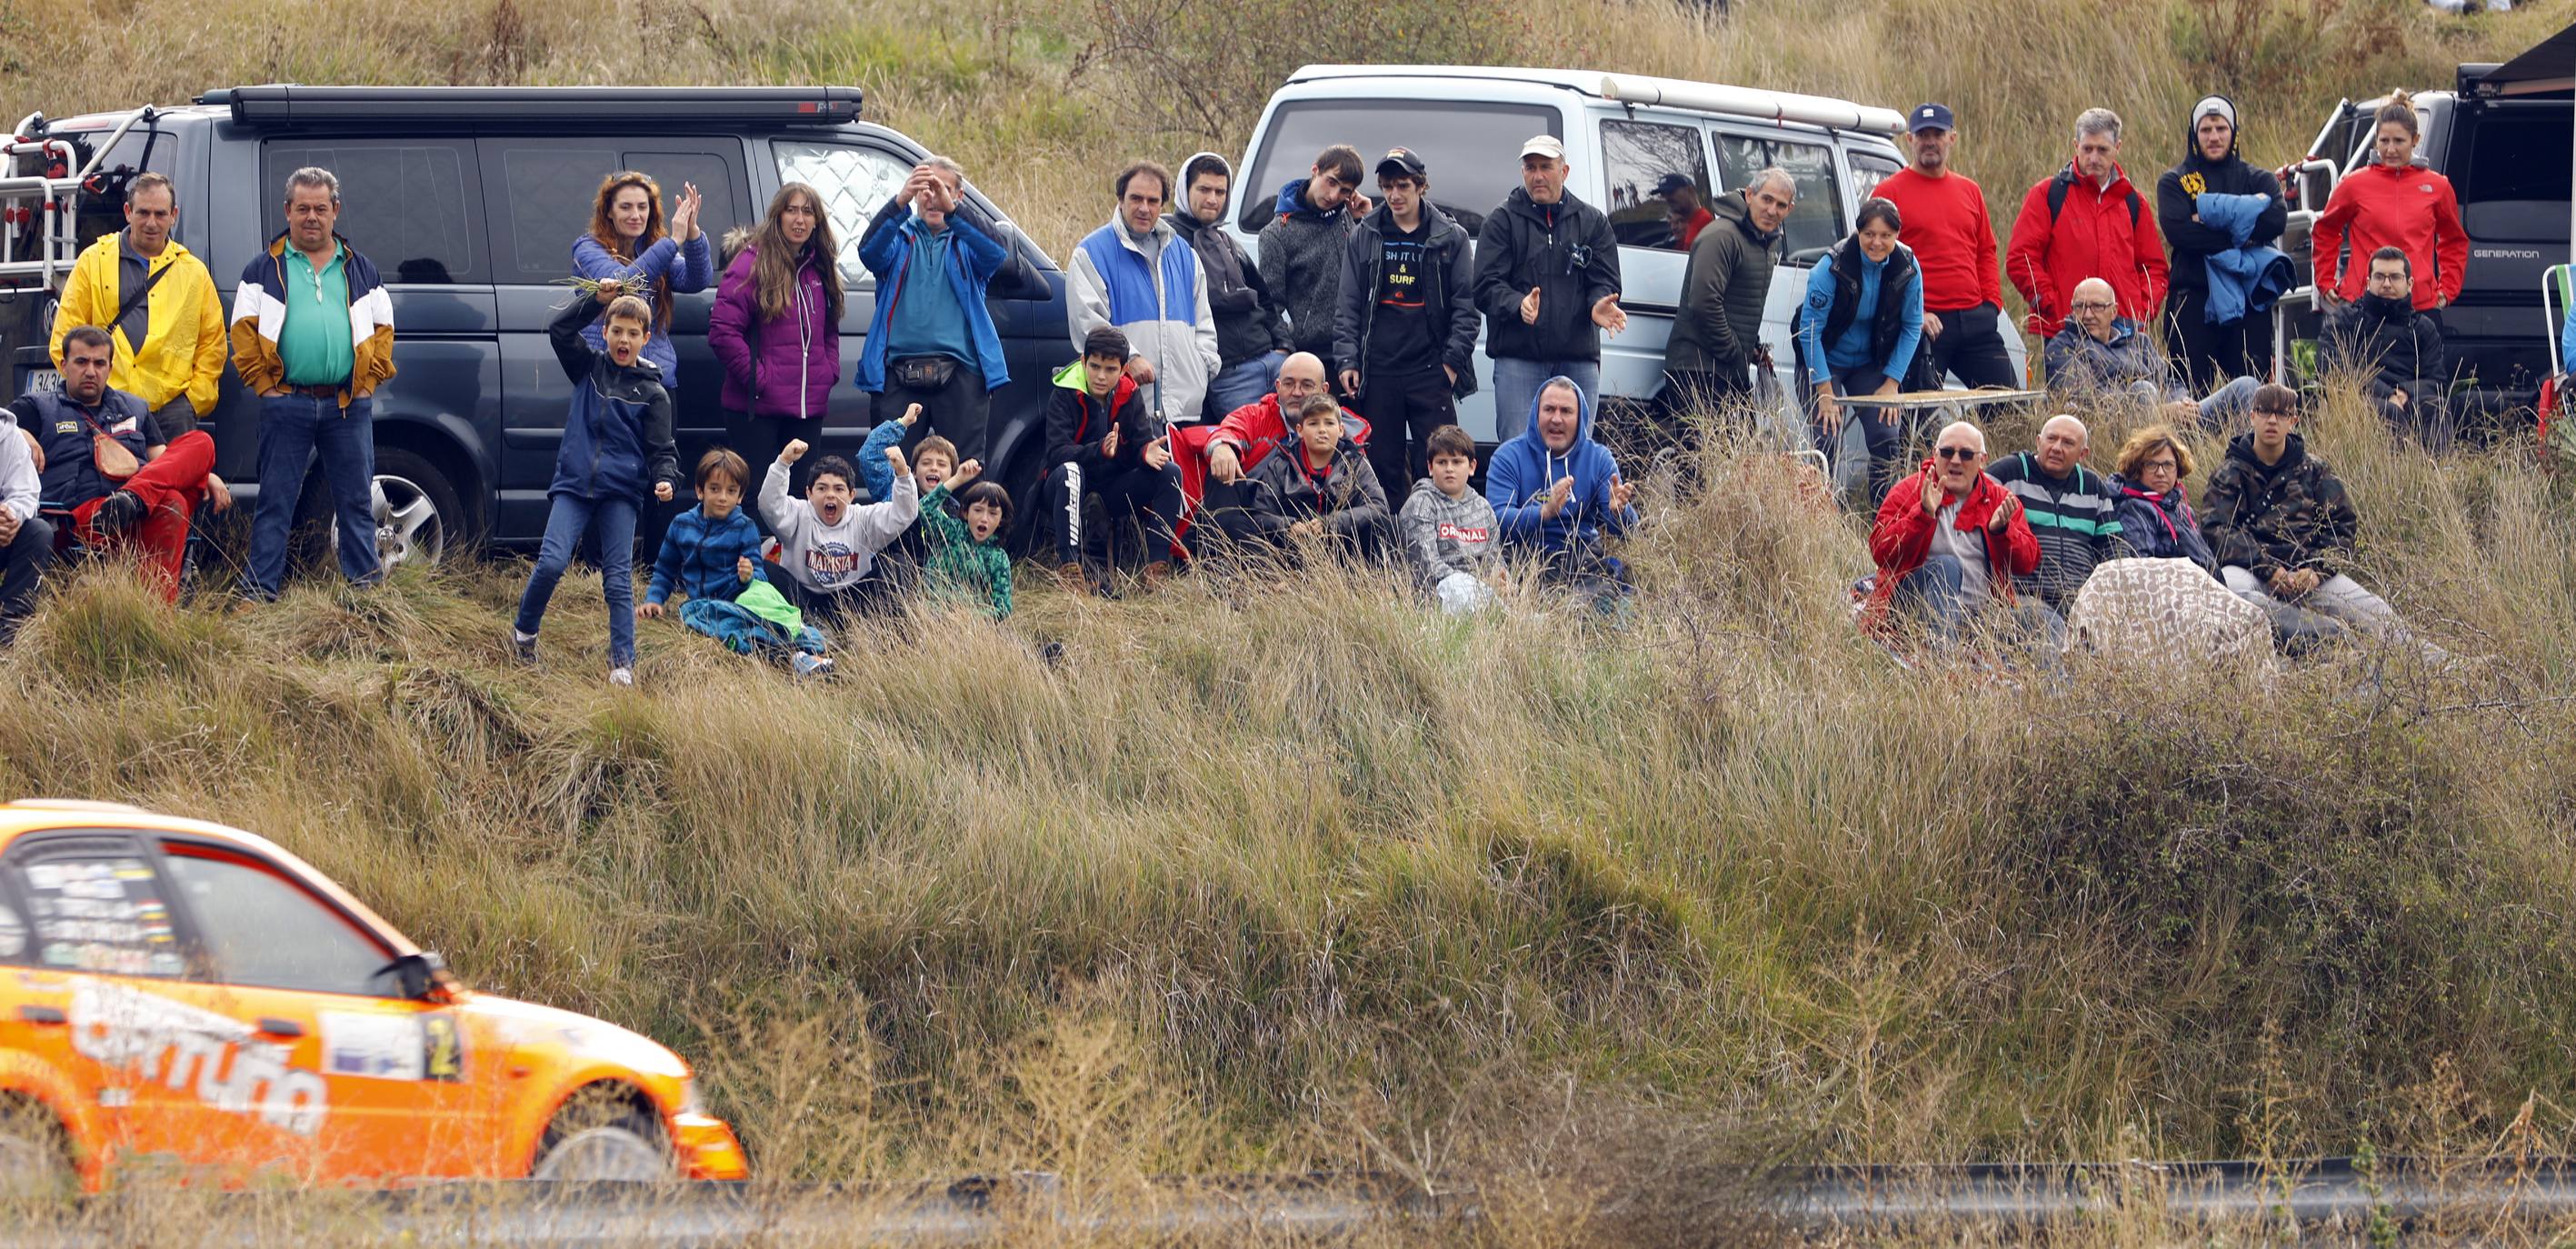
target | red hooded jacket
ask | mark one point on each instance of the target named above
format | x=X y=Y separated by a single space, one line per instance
x=2097 y=233
x=2413 y=210
x=1902 y=539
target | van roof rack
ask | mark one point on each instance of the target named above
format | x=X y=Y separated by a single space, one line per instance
x=40 y=212
x=274 y=105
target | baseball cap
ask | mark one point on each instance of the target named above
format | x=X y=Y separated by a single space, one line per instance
x=1546 y=145
x=1673 y=182
x=1403 y=163
x=1930 y=117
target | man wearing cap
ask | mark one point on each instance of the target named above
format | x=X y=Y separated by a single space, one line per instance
x=1404 y=335
x=1547 y=280
x=1681 y=195
x=1953 y=241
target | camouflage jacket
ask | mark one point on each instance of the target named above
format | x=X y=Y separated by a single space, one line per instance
x=2290 y=515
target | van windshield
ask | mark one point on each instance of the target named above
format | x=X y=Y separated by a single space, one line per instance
x=1471 y=150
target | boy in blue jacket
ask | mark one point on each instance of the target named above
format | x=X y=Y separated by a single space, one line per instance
x=1557 y=494
x=617 y=447
x=711 y=554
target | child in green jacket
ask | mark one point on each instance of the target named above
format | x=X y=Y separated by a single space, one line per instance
x=966 y=556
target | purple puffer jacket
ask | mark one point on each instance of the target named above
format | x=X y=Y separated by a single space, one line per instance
x=763 y=360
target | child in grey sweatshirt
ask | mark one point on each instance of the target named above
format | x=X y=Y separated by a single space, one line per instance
x=1450 y=536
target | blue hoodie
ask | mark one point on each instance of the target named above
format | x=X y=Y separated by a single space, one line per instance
x=1522 y=471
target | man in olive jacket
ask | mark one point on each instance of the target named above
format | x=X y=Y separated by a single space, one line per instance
x=1718 y=335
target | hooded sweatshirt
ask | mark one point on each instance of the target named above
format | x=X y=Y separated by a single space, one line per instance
x=2177 y=194
x=1444 y=536
x=1301 y=264
x=1248 y=322
x=617 y=439
x=1566 y=251
x=831 y=558
x=1521 y=473
x=1724 y=289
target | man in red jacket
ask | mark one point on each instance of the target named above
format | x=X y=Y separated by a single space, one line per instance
x=1949 y=541
x=2087 y=222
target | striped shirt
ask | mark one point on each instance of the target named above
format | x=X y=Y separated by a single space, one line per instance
x=2075 y=518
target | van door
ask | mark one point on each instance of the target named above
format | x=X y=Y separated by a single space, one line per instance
x=540 y=194
x=2509 y=163
x=1817 y=222
x=1637 y=155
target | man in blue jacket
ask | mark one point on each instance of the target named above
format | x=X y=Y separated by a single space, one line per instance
x=932 y=341
x=1557 y=494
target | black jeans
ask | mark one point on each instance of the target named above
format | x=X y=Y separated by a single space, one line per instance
x=22 y=569
x=958 y=411
x=2210 y=356
x=1126 y=490
x=1402 y=410
x=1971 y=345
x=1230 y=508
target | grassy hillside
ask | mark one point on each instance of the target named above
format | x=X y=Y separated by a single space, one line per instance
x=1273 y=877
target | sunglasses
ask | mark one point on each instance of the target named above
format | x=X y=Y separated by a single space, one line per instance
x=1956 y=453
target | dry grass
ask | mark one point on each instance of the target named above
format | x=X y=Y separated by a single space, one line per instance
x=1287 y=876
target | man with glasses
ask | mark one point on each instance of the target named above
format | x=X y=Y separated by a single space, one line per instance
x=2101 y=354
x=2395 y=352
x=2282 y=527
x=1950 y=541
x=1214 y=458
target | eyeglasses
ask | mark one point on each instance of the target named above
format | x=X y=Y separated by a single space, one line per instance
x=1957 y=453
x=2091 y=306
x=2274 y=412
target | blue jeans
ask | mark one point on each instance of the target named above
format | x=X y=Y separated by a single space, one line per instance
x=568 y=516
x=1243 y=383
x=1936 y=594
x=1516 y=384
x=292 y=429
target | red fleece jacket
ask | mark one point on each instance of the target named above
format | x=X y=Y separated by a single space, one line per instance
x=2410 y=209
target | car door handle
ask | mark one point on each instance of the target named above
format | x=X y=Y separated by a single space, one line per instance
x=271 y=1025
x=42 y=1014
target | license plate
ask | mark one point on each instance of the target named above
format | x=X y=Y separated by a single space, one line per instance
x=43 y=380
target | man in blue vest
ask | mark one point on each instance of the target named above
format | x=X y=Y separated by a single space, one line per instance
x=1136 y=275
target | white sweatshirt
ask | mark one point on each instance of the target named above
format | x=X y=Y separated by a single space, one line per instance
x=836 y=557
x=18 y=479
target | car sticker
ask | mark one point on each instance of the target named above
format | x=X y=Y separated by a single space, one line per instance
x=13 y=933
x=378 y=1047
x=443 y=1048
x=190 y=1049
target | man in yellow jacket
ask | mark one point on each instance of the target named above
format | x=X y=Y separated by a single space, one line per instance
x=158 y=302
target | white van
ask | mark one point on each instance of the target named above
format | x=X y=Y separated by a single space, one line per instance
x=1622 y=135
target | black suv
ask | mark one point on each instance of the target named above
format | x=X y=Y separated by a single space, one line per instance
x=468 y=200
x=2501 y=137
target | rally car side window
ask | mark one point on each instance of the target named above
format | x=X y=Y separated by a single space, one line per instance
x=257 y=926
x=94 y=903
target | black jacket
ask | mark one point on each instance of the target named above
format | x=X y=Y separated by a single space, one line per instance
x=1564 y=249
x=63 y=428
x=1282 y=493
x=2293 y=514
x=1451 y=279
x=2389 y=345
x=2191 y=242
x=1248 y=320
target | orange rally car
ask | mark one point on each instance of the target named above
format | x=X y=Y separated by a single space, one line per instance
x=182 y=997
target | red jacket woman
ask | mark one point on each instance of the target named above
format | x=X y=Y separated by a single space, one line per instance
x=2391 y=203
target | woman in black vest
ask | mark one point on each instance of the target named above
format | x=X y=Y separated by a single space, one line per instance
x=1857 y=332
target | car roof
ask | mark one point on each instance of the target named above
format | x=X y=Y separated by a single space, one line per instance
x=1716 y=99
x=25 y=816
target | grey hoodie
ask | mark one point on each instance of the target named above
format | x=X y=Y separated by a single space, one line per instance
x=1443 y=535
x=1248 y=322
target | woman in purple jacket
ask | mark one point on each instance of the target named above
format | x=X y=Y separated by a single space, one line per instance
x=776 y=328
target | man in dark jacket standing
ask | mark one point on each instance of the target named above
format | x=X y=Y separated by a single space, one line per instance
x=1251 y=335
x=1547 y=280
x=1301 y=248
x=2211 y=354
x=2394 y=350
x=1405 y=334
x=1718 y=336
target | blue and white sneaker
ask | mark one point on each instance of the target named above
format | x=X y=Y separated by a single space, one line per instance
x=806 y=665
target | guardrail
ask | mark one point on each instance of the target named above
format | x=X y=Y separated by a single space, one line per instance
x=2405 y=1198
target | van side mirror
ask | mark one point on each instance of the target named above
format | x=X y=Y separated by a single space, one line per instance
x=1808 y=256
x=1018 y=279
x=415 y=975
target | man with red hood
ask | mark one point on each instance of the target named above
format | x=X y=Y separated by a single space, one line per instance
x=1949 y=541
x=2087 y=221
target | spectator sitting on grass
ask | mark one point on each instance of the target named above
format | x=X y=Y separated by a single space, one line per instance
x=967 y=560
x=2103 y=353
x=827 y=544
x=1450 y=534
x=1322 y=488
x=1949 y=542
x=711 y=556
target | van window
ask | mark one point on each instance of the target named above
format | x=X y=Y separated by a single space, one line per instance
x=549 y=187
x=405 y=204
x=1817 y=221
x=1637 y=155
x=142 y=150
x=854 y=182
x=2516 y=154
x=1471 y=150
x=1868 y=169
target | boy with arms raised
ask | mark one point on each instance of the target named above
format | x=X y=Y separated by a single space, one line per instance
x=827 y=543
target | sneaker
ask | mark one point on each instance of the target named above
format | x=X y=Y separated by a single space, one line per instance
x=524 y=645
x=806 y=665
x=1157 y=573
x=621 y=676
x=117 y=513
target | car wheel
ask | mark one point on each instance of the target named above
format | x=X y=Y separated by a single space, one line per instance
x=601 y=1137
x=417 y=510
x=32 y=1163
